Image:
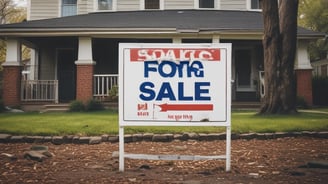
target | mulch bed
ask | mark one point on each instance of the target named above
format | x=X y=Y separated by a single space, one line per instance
x=281 y=160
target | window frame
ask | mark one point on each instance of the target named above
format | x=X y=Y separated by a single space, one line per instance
x=96 y=6
x=216 y=5
x=62 y=5
x=249 y=5
x=143 y=5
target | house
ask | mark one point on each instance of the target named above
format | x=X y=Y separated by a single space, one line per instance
x=75 y=44
x=320 y=67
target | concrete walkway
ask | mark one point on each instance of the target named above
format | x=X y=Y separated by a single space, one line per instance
x=313 y=111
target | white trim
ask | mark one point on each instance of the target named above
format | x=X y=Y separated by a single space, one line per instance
x=196 y=4
x=216 y=39
x=85 y=51
x=60 y=8
x=13 y=53
x=176 y=40
x=302 y=59
x=217 y=4
x=28 y=10
x=142 y=5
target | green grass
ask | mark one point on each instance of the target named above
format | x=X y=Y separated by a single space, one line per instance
x=106 y=122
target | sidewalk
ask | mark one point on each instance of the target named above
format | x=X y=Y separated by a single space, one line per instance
x=313 y=111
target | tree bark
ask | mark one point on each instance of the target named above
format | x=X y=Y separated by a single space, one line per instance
x=288 y=31
x=279 y=44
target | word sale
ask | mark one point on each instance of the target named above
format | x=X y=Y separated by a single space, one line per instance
x=169 y=69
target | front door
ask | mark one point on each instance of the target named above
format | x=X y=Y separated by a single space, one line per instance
x=244 y=87
x=66 y=74
x=243 y=69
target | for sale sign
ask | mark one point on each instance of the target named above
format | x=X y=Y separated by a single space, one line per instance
x=174 y=84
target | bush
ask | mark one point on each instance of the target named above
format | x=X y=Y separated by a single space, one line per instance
x=320 y=90
x=301 y=102
x=94 y=105
x=2 y=106
x=76 y=106
x=113 y=94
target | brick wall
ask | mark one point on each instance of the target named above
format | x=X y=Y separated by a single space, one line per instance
x=11 y=85
x=84 y=82
x=304 y=85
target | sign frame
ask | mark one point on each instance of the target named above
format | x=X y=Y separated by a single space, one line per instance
x=126 y=118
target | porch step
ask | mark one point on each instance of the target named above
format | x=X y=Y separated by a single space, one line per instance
x=55 y=108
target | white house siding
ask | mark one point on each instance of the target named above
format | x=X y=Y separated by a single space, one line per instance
x=128 y=5
x=233 y=4
x=82 y=6
x=178 y=4
x=43 y=9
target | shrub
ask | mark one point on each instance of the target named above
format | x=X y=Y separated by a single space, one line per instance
x=113 y=93
x=301 y=102
x=320 y=90
x=76 y=106
x=94 y=105
x=2 y=106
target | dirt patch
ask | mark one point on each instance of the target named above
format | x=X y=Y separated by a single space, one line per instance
x=281 y=160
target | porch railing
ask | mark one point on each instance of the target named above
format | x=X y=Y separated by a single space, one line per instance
x=103 y=83
x=39 y=90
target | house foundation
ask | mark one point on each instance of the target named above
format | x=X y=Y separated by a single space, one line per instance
x=304 y=85
x=84 y=83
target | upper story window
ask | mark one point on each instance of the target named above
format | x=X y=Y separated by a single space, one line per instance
x=69 y=7
x=105 y=4
x=206 y=3
x=255 y=4
x=152 y=4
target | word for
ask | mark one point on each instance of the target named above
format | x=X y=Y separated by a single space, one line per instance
x=171 y=69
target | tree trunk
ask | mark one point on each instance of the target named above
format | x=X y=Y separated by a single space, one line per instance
x=288 y=31
x=279 y=44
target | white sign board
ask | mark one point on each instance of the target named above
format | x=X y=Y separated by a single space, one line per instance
x=174 y=84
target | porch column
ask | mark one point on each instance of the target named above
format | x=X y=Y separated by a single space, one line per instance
x=303 y=70
x=176 y=40
x=84 y=70
x=216 y=39
x=12 y=73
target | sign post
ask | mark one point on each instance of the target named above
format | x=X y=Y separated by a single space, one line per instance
x=174 y=85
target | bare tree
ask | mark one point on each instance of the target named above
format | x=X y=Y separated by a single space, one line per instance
x=279 y=44
x=6 y=9
x=10 y=13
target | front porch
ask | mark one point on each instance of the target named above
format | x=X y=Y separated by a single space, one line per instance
x=82 y=68
x=47 y=90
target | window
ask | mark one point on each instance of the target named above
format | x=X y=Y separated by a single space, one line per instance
x=206 y=3
x=105 y=4
x=69 y=7
x=256 y=4
x=152 y=4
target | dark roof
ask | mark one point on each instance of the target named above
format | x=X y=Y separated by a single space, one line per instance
x=185 y=20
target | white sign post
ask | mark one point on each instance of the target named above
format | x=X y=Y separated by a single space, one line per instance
x=174 y=85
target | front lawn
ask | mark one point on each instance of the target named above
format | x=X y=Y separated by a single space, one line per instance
x=106 y=122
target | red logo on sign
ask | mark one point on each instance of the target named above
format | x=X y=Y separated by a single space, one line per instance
x=174 y=54
x=142 y=107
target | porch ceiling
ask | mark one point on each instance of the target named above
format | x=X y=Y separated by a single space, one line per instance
x=148 y=22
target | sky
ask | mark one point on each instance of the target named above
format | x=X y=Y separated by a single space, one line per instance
x=20 y=2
